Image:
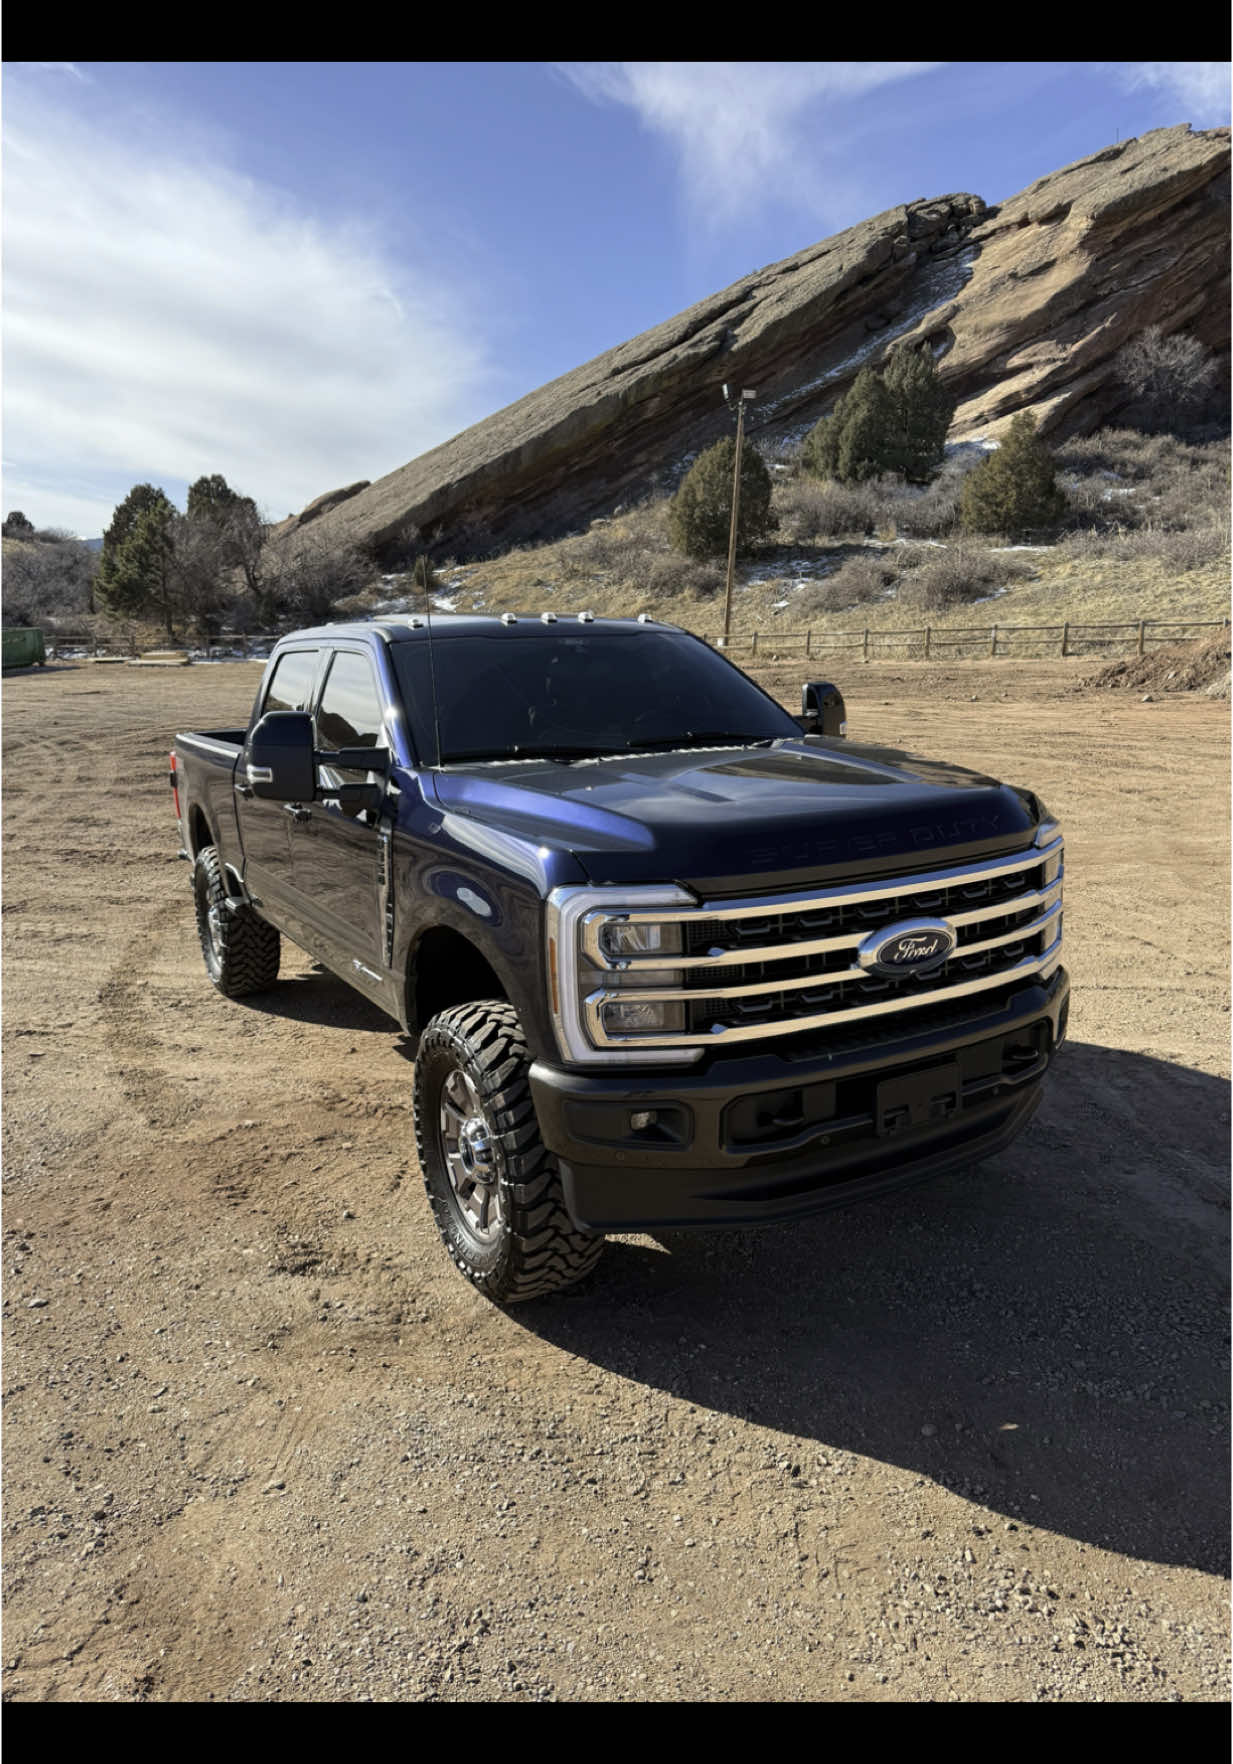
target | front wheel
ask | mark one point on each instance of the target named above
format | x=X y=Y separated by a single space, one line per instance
x=494 y=1187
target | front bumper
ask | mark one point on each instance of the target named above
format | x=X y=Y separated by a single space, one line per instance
x=782 y=1133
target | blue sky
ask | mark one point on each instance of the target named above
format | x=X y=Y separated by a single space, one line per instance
x=303 y=274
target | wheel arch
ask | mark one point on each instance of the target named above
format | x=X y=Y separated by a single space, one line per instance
x=200 y=833
x=444 y=968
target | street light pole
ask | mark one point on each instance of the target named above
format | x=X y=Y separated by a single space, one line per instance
x=736 y=510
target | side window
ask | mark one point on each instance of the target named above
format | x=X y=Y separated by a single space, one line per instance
x=349 y=715
x=291 y=683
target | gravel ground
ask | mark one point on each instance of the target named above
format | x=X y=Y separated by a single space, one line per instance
x=261 y=1442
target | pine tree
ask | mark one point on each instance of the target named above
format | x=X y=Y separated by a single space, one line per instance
x=134 y=574
x=820 y=454
x=16 y=526
x=864 y=439
x=891 y=422
x=700 y=514
x=1013 y=490
x=212 y=498
x=922 y=411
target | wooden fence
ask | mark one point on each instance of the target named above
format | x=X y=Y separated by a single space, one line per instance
x=958 y=642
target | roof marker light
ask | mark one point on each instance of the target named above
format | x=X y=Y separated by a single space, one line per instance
x=547 y=618
x=586 y=618
x=509 y=618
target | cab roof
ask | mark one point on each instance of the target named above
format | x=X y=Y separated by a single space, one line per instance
x=406 y=627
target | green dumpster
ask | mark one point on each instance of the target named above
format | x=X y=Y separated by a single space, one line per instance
x=23 y=646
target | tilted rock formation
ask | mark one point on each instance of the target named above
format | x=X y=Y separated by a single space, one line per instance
x=1025 y=305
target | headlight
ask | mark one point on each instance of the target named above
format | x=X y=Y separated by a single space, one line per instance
x=627 y=937
x=641 y=1017
x=599 y=940
x=1049 y=838
x=1049 y=833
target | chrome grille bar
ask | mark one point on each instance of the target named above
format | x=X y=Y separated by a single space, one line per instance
x=1042 y=965
x=889 y=890
x=822 y=977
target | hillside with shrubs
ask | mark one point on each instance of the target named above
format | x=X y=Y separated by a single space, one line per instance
x=1126 y=523
x=870 y=519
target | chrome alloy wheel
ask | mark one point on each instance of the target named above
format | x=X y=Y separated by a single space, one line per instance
x=472 y=1158
x=214 y=919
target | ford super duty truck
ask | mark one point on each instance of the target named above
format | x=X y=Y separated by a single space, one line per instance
x=673 y=957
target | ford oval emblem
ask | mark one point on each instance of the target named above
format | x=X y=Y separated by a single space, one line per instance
x=913 y=946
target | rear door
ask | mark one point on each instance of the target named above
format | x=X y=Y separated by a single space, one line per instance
x=265 y=826
x=337 y=851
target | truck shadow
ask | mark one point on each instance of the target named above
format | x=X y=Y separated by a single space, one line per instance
x=321 y=997
x=1045 y=1334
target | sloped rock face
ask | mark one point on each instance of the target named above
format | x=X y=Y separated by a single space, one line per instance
x=1067 y=272
x=329 y=499
x=1025 y=306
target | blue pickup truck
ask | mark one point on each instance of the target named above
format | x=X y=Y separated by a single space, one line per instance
x=673 y=957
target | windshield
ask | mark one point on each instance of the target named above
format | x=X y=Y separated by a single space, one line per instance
x=567 y=696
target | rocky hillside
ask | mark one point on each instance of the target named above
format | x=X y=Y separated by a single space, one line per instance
x=1026 y=306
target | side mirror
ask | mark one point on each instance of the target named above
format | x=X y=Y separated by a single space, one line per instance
x=278 y=760
x=822 y=709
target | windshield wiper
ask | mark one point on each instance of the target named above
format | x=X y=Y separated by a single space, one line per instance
x=515 y=752
x=703 y=738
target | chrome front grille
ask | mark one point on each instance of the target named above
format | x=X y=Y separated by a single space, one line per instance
x=782 y=965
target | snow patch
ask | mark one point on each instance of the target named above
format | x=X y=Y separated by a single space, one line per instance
x=938 y=282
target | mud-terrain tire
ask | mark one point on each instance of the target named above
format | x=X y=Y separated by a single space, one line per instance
x=241 y=951
x=494 y=1187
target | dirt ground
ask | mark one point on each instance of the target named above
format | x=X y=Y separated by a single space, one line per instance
x=261 y=1442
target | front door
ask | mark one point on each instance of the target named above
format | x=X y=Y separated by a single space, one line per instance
x=265 y=826
x=337 y=851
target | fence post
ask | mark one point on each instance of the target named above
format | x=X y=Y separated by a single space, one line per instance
x=993 y=641
x=1065 y=636
x=1141 y=624
x=754 y=650
x=866 y=644
x=808 y=639
x=928 y=637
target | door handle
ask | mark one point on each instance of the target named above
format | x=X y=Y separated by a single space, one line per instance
x=297 y=811
x=243 y=789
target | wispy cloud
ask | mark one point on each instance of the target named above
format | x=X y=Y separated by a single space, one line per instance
x=63 y=67
x=166 y=317
x=1198 y=89
x=736 y=126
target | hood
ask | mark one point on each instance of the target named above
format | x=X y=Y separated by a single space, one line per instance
x=786 y=814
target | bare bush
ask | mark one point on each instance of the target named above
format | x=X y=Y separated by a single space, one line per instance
x=1119 y=482
x=305 y=575
x=959 y=576
x=682 y=575
x=47 y=576
x=933 y=513
x=856 y=581
x=1182 y=549
x=1169 y=377
x=812 y=508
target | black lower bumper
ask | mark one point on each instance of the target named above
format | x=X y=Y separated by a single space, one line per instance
x=781 y=1133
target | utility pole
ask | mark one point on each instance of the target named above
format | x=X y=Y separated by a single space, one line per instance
x=740 y=402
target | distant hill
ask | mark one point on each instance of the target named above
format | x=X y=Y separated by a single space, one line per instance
x=1025 y=307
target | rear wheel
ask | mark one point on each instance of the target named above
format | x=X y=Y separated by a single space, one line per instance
x=241 y=951
x=494 y=1187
